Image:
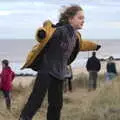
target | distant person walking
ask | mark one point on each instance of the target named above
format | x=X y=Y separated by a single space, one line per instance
x=68 y=79
x=93 y=66
x=111 y=69
x=6 y=78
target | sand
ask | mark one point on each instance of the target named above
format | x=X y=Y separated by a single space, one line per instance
x=24 y=81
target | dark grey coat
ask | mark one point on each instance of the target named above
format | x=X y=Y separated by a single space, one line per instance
x=60 y=51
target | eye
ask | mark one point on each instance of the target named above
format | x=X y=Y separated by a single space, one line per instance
x=81 y=17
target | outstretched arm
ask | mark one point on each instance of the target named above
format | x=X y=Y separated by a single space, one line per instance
x=86 y=45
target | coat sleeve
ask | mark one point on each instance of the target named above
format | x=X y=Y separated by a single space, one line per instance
x=85 y=45
x=43 y=35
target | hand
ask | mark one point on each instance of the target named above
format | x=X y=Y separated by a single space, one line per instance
x=98 y=47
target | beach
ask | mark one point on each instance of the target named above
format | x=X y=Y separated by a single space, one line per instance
x=27 y=80
x=17 y=56
x=78 y=104
x=22 y=22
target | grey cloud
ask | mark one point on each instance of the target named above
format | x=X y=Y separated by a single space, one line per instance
x=26 y=16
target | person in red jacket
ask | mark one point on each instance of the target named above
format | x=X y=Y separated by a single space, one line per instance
x=6 y=78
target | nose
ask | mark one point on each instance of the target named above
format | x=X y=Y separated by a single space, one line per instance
x=83 y=21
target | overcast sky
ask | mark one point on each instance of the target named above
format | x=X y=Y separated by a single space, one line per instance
x=20 y=19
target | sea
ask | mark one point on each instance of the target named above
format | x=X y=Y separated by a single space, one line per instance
x=16 y=50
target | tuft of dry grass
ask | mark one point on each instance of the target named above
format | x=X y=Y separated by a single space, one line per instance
x=106 y=105
x=102 y=104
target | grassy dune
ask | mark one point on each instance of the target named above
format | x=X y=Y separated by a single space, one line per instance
x=102 y=104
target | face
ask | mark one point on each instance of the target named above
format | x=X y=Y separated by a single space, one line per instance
x=77 y=21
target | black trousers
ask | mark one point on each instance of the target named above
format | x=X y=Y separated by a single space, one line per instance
x=43 y=83
x=7 y=98
x=93 y=79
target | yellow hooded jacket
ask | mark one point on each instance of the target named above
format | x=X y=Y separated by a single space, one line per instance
x=49 y=30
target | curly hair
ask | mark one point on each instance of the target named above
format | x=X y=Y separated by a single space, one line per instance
x=69 y=13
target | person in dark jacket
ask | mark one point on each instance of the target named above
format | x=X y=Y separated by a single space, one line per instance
x=93 y=66
x=52 y=65
x=6 y=78
x=111 y=69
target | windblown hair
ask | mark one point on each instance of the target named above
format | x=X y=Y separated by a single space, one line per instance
x=69 y=12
